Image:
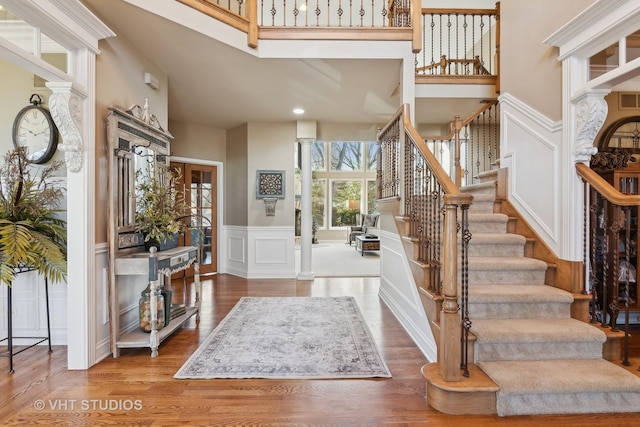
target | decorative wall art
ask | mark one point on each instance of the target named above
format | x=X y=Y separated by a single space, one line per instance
x=270 y=184
x=270 y=188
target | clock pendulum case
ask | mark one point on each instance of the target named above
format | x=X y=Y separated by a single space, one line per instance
x=34 y=129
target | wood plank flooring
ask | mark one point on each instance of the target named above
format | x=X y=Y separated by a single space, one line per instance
x=135 y=390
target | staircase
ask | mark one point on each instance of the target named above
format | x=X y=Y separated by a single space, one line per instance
x=533 y=356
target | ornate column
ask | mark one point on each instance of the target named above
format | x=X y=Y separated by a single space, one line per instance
x=66 y=109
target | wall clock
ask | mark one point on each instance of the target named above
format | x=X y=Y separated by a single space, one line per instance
x=34 y=129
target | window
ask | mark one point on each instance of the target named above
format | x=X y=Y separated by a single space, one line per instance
x=343 y=184
x=346 y=156
x=345 y=202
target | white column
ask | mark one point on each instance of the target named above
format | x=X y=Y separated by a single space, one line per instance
x=306 y=220
x=74 y=115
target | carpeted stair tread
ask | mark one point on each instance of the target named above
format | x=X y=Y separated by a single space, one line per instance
x=506 y=263
x=487 y=217
x=497 y=239
x=505 y=294
x=480 y=187
x=535 y=330
x=569 y=386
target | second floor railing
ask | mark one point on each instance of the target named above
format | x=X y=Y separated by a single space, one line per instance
x=458 y=42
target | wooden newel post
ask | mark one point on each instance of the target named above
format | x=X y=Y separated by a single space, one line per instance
x=449 y=352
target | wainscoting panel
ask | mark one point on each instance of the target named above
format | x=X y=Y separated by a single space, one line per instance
x=29 y=309
x=101 y=303
x=539 y=200
x=398 y=291
x=260 y=252
x=271 y=252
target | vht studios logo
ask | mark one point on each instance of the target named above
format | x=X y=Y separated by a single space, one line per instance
x=88 y=405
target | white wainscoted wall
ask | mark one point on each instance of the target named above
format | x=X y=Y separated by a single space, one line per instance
x=29 y=310
x=399 y=292
x=258 y=252
x=531 y=148
x=100 y=305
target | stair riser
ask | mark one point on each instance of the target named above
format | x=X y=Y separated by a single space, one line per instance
x=568 y=403
x=487 y=227
x=517 y=310
x=482 y=207
x=492 y=352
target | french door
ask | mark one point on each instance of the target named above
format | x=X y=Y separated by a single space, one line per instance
x=201 y=192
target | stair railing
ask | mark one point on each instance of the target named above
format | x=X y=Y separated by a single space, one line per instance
x=408 y=171
x=472 y=145
x=607 y=219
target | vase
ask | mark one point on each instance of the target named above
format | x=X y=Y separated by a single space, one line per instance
x=144 y=306
x=170 y=243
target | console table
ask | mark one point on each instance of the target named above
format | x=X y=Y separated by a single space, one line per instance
x=367 y=242
x=157 y=266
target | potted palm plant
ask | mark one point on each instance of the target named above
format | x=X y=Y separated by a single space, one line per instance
x=160 y=207
x=32 y=234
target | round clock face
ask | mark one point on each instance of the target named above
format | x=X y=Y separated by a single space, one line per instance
x=34 y=130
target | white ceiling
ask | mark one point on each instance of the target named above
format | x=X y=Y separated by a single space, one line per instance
x=214 y=84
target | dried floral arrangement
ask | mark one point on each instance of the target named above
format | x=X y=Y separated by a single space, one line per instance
x=160 y=205
x=32 y=234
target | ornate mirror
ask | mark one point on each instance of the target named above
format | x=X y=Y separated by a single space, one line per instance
x=136 y=143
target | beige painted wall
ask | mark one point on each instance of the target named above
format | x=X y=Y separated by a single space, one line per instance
x=235 y=177
x=119 y=81
x=198 y=141
x=347 y=131
x=271 y=147
x=529 y=69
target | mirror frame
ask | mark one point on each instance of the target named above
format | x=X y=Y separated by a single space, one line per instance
x=127 y=132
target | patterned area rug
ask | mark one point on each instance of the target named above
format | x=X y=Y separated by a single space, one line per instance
x=289 y=337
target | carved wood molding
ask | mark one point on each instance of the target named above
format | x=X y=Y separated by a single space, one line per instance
x=66 y=111
x=591 y=111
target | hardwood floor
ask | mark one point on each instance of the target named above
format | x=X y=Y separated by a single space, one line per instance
x=135 y=390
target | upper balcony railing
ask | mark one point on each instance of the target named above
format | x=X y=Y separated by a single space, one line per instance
x=447 y=43
x=459 y=42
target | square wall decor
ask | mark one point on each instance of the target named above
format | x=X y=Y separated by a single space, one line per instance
x=270 y=184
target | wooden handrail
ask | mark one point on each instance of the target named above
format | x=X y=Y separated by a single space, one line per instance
x=604 y=188
x=443 y=178
x=452 y=11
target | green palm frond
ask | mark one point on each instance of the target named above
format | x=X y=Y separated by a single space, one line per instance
x=31 y=235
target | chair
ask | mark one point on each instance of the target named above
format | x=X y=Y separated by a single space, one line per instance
x=368 y=221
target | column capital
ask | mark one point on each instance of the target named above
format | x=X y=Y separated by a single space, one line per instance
x=66 y=111
x=590 y=109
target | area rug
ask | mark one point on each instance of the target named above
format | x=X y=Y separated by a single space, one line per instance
x=290 y=338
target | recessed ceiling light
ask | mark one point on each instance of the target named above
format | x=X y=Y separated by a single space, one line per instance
x=298 y=111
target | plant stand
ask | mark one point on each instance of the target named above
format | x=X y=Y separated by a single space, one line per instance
x=10 y=353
